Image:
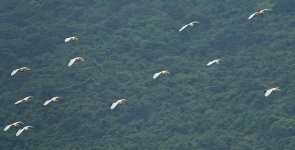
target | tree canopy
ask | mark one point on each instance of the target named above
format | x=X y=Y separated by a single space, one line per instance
x=124 y=42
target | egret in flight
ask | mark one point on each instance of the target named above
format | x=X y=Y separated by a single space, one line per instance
x=13 y=125
x=272 y=90
x=22 y=69
x=162 y=73
x=258 y=13
x=216 y=61
x=118 y=102
x=24 y=100
x=76 y=59
x=188 y=25
x=26 y=128
x=71 y=39
x=53 y=100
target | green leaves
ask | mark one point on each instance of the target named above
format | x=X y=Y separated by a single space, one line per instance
x=124 y=43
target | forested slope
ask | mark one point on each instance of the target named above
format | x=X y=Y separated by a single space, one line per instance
x=124 y=42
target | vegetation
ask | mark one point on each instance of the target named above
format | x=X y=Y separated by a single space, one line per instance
x=124 y=42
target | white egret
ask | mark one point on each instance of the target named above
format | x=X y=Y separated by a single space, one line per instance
x=53 y=100
x=162 y=73
x=216 y=61
x=71 y=39
x=26 y=128
x=22 y=69
x=72 y=61
x=24 y=100
x=258 y=13
x=13 y=125
x=118 y=102
x=272 y=90
x=188 y=25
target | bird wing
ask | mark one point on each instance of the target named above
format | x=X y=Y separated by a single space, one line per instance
x=268 y=92
x=18 y=102
x=14 y=72
x=114 y=105
x=72 y=61
x=19 y=132
x=183 y=27
x=156 y=75
x=56 y=97
x=195 y=22
x=266 y=9
x=28 y=127
x=26 y=68
x=252 y=15
x=7 y=127
x=67 y=39
x=47 y=102
x=19 y=122
x=210 y=63
x=26 y=98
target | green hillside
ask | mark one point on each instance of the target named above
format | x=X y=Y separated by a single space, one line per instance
x=124 y=42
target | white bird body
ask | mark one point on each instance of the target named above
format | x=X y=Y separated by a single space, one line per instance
x=272 y=90
x=26 y=128
x=24 y=100
x=188 y=25
x=53 y=100
x=216 y=61
x=162 y=73
x=76 y=59
x=118 y=102
x=22 y=69
x=258 y=13
x=14 y=125
x=71 y=39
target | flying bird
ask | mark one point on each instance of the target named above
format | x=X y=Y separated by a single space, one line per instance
x=53 y=100
x=13 y=125
x=24 y=100
x=118 y=102
x=26 y=128
x=258 y=13
x=188 y=25
x=22 y=69
x=77 y=59
x=71 y=39
x=216 y=61
x=272 y=90
x=162 y=73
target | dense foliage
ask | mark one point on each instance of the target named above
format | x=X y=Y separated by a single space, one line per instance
x=124 y=42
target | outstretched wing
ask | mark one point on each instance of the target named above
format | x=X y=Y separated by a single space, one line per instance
x=182 y=28
x=268 y=92
x=18 y=102
x=266 y=9
x=72 y=61
x=114 y=105
x=19 y=122
x=27 y=98
x=210 y=63
x=14 y=72
x=156 y=75
x=252 y=15
x=195 y=22
x=28 y=128
x=19 y=132
x=47 y=102
x=7 y=127
x=55 y=98
x=67 y=39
